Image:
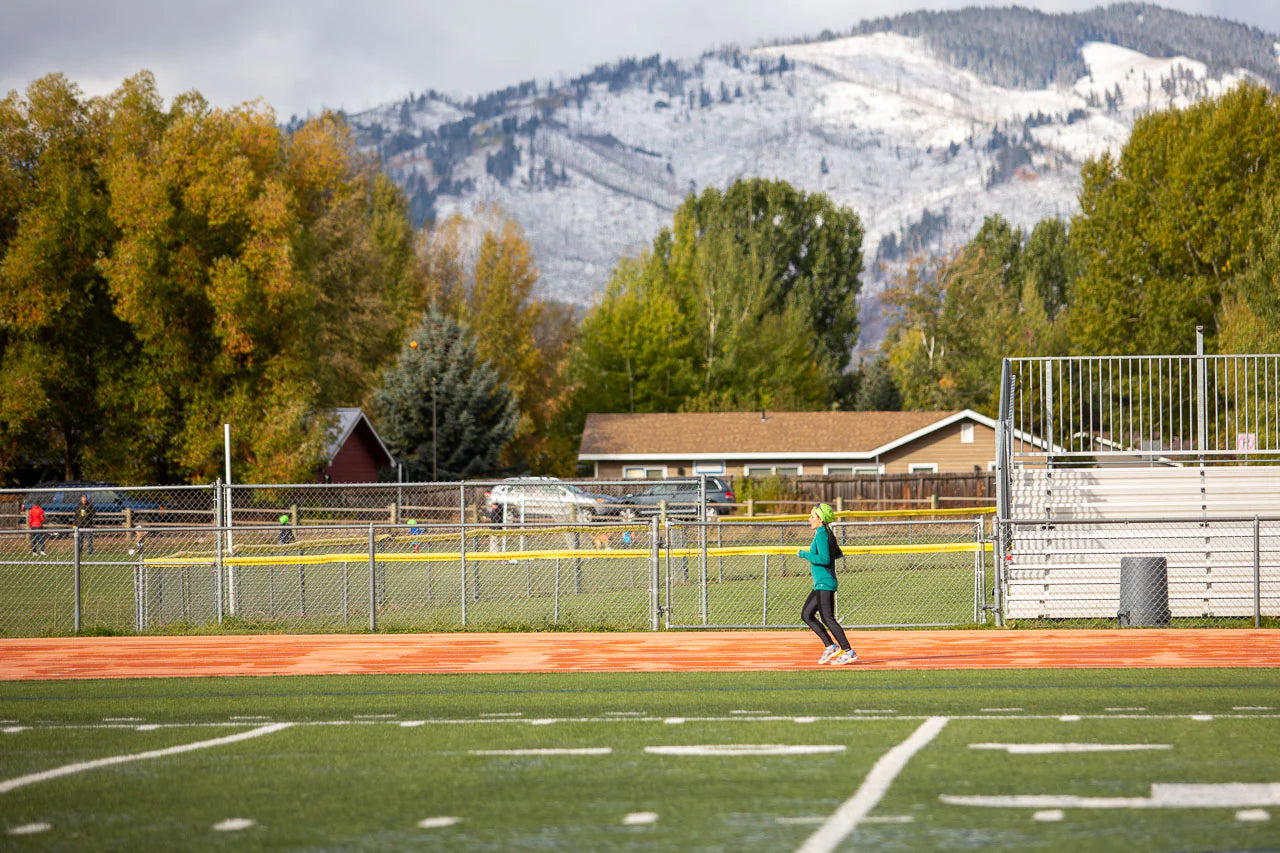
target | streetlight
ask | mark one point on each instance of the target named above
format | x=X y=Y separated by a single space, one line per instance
x=413 y=345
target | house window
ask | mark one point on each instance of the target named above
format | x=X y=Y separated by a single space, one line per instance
x=708 y=468
x=770 y=470
x=966 y=433
x=851 y=470
x=640 y=472
x=922 y=468
x=991 y=466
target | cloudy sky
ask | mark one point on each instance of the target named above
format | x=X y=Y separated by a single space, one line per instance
x=302 y=55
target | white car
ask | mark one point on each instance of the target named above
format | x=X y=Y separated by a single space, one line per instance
x=540 y=499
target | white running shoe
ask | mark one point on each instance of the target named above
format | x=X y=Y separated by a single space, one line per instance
x=847 y=656
x=829 y=652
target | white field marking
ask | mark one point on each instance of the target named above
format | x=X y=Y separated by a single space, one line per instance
x=375 y=716
x=754 y=749
x=1069 y=718
x=30 y=828
x=800 y=820
x=673 y=721
x=412 y=724
x=233 y=824
x=870 y=711
x=1047 y=815
x=80 y=766
x=150 y=727
x=249 y=717
x=888 y=818
x=3 y=722
x=13 y=730
x=1143 y=708
x=1252 y=815
x=1163 y=796
x=998 y=710
x=748 y=712
x=543 y=722
x=588 y=750
x=121 y=719
x=1252 y=708
x=1202 y=718
x=502 y=713
x=806 y=719
x=438 y=822
x=624 y=713
x=853 y=810
x=640 y=819
x=1052 y=748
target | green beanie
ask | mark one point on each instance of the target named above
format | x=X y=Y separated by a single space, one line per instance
x=826 y=514
x=284 y=519
x=414 y=522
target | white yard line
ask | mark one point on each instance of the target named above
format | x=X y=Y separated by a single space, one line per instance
x=587 y=750
x=854 y=809
x=1054 y=748
x=80 y=766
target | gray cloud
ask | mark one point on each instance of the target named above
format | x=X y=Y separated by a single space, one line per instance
x=301 y=55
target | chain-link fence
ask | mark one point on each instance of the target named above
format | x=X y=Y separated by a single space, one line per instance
x=415 y=576
x=903 y=573
x=1217 y=572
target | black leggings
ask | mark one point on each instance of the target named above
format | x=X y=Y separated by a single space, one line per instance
x=824 y=601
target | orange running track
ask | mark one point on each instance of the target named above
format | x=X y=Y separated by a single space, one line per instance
x=338 y=654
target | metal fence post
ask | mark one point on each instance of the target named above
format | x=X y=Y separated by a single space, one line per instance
x=373 y=584
x=653 y=574
x=702 y=568
x=1257 y=573
x=75 y=574
x=217 y=573
x=462 y=551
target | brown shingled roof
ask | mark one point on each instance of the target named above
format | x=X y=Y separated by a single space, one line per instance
x=731 y=433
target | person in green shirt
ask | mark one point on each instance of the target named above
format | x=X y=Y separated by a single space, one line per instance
x=822 y=555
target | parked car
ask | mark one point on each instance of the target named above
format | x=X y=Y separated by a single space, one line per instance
x=681 y=497
x=58 y=500
x=538 y=499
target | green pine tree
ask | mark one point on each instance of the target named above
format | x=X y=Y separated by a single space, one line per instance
x=475 y=414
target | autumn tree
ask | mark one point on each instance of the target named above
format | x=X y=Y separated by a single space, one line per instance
x=242 y=275
x=1166 y=226
x=747 y=300
x=481 y=271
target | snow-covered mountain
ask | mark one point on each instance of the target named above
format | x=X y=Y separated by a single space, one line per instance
x=922 y=149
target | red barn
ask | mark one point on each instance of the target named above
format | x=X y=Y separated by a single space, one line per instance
x=355 y=453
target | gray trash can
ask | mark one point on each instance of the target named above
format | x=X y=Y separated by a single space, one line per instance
x=1144 y=591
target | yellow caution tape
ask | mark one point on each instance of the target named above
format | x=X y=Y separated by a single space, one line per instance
x=504 y=556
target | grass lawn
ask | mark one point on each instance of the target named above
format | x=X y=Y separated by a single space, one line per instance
x=395 y=762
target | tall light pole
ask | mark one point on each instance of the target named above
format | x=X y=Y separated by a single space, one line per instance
x=434 y=477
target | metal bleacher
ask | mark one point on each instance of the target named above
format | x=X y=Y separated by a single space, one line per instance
x=1091 y=473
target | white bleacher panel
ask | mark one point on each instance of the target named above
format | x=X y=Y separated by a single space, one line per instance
x=1072 y=570
x=1145 y=492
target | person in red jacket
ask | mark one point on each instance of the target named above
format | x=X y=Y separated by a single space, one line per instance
x=35 y=523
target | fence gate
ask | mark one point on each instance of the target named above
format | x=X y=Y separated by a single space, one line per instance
x=745 y=574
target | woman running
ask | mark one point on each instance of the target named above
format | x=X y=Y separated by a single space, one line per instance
x=823 y=598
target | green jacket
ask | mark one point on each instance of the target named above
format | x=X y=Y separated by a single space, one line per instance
x=821 y=563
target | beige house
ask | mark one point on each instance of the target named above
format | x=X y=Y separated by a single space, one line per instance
x=738 y=444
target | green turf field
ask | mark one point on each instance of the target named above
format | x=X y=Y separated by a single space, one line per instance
x=443 y=762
